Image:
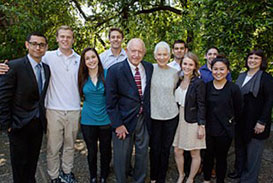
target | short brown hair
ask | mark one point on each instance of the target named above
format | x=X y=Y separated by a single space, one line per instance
x=64 y=27
x=115 y=29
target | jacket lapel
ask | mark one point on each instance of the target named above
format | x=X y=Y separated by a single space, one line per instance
x=31 y=74
x=148 y=76
x=47 y=75
x=128 y=74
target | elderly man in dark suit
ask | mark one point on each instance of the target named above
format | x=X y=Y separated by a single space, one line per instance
x=128 y=106
x=22 y=112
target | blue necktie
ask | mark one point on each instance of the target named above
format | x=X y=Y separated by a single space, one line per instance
x=39 y=77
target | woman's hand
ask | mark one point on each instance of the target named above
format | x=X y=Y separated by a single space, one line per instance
x=259 y=128
x=201 y=132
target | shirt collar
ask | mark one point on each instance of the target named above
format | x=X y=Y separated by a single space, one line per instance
x=133 y=67
x=33 y=62
x=59 y=53
x=122 y=52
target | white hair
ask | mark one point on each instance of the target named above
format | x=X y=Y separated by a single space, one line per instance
x=162 y=44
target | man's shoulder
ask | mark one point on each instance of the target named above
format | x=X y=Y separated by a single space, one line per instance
x=147 y=63
x=105 y=53
x=118 y=65
x=50 y=53
x=204 y=67
x=16 y=62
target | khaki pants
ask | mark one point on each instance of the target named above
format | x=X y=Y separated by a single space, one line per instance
x=62 y=130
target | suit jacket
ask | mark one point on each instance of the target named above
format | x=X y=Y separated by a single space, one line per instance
x=195 y=107
x=19 y=95
x=123 y=101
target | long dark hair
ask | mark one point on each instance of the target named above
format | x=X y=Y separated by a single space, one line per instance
x=260 y=53
x=83 y=71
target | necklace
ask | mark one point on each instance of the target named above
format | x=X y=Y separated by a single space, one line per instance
x=67 y=63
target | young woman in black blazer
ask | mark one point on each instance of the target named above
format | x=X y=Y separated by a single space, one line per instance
x=223 y=106
x=257 y=89
x=190 y=95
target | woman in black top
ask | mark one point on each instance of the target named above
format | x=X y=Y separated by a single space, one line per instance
x=224 y=103
x=257 y=89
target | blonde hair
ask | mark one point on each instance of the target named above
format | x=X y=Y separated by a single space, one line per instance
x=195 y=59
x=64 y=27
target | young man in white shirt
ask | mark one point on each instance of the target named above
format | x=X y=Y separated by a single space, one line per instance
x=179 y=49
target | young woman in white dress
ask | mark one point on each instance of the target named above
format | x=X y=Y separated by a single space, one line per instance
x=190 y=133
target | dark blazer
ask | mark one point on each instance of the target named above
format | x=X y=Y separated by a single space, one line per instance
x=19 y=95
x=122 y=98
x=258 y=109
x=195 y=107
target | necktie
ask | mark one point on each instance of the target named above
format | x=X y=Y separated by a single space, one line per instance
x=39 y=77
x=138 y=83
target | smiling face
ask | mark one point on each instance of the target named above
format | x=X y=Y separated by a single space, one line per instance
x=188 y=66
x=115 y=39
x=254 y=62
x=135 y=51
x=36 y=47
x=91 y=60
x=178 y=51
x=65 y=39
x=219 y=71
x=211 y=54
x=162 y=56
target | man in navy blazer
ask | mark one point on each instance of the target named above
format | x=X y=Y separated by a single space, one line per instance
x=128 y=106
x=22 y=111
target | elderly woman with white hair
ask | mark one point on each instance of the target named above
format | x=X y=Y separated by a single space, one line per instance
x=164 y=112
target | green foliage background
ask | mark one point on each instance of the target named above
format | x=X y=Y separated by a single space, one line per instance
x=235 y=26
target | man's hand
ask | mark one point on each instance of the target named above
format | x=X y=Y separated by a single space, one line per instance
x=121 y=132
x=259 y=128
x=4 y=67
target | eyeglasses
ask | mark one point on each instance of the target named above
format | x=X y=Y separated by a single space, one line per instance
x=35 y=44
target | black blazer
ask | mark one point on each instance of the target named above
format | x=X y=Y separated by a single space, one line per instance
x=195 y=107
x=122 y=98
x=258 y=109
x=19 y=95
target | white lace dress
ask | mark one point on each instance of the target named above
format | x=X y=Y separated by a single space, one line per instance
x=186 y=133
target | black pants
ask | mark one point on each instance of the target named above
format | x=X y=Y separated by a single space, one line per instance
x=160 y=142
x=25 y=145
x=217 y=147
x=240 y=152
x=92 y=135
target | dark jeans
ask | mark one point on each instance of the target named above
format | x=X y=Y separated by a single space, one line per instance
x=217 y=147
x=161 y=139
x=92 y=135
x=25 y=145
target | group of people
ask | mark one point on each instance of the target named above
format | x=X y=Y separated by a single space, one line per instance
x=129 y=102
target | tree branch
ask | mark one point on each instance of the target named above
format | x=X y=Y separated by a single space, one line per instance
x=78 y=6
x=159 y=8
